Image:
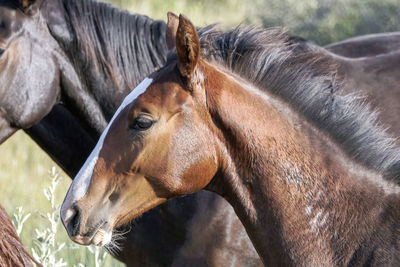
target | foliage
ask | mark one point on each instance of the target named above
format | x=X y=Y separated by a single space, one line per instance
x=328 y=21
x=47 y=248
x=324 y=21
x=19 y=219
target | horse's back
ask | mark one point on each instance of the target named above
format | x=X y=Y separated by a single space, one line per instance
x=366 y=45
x=376 y=78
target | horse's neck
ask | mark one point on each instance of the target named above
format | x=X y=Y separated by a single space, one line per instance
x=120 y=51
x=290 y=186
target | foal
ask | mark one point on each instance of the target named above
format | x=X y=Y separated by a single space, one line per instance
x=303 y=199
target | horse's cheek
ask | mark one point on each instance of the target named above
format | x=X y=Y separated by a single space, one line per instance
x=29 y=104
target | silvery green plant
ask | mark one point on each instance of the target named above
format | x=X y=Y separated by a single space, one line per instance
x=45 y=246
x=19 y=218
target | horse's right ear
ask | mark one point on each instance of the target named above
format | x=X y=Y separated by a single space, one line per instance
x=172 y=27
x=187 y=47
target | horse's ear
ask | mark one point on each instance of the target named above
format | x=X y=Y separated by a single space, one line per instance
x=187 y=47
x=27 y=5
x=54 y=13
x=172 y=27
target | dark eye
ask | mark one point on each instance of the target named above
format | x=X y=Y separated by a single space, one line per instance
x=1 y=52
x=141 y=123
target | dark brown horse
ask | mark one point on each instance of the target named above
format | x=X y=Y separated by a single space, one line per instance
x=309 y=176
x=12 y=251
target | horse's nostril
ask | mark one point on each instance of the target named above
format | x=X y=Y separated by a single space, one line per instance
x=73 y=221
x=113 y=197
x=1 y=52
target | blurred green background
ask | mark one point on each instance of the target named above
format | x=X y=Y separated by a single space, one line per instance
x=323 y=21
x=24 y=167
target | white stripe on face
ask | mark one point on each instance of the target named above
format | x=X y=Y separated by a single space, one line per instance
x=81 y=182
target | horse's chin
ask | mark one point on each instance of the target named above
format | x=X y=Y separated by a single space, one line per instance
x=101 y=238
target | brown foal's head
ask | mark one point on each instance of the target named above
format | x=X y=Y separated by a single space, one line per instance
x=159 y=145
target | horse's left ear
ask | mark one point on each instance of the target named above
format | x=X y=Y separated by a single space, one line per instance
x=28 y=6
x=54 y=13
x=187 y=47
x=172 y=27
x=25 y=3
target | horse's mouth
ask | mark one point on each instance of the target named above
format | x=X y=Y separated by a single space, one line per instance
x=100 y=238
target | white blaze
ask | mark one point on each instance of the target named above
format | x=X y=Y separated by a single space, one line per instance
x=81 y=182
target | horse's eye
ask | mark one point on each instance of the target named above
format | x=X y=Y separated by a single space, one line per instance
x=141 y=123
x=1 y=52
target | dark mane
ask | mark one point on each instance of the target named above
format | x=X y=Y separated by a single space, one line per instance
x=300 y=75
x=125 y=55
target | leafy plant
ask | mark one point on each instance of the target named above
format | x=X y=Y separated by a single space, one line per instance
x=46 y=248
x=19 y=219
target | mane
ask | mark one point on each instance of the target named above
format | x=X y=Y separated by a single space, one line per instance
x=12 y=251
x=297 y=72
x=123 y=47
